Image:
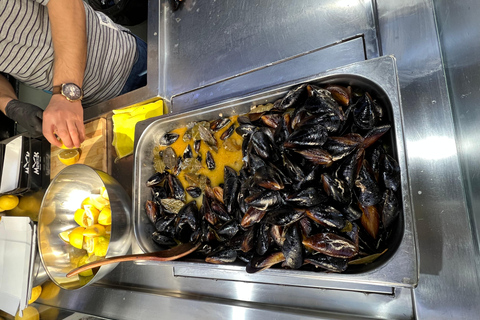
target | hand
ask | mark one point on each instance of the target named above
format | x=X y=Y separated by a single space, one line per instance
x=65 y=119
x=26 y=114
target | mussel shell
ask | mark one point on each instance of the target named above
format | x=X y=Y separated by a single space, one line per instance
x=364 y=115
x=222 y=255
x=340 y=147
x=284 y=216
x=294 y=98
x=196 y=145
x=263 y=239
x=163 y=222
x=326 y=215
x=317 y=156
x=157 y=178
x=336 y=189
x=152 y=211
x=259 y=263
x=253 y=215
x=228 y=229
x=391 y=208
x=292 y=247
x=263 y=145
x=210 y=161
x=307 y=197
x=218 y=124
x=228 y=133
x=188 y=152
x=370 y=220
x=176 y=187
x=268 y=178
x=390 y=173
x=264 y=200
x=332 y=245
x=231 y=188
x=168 y=138
x=366 y=189
x=193 y=191
x=188 y=215
x=163 y=240
x=328 y=263
x=308 y=136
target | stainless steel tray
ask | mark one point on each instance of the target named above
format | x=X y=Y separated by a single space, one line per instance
x=396 y=268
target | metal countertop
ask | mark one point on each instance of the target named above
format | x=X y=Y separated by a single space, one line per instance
x=448 y=284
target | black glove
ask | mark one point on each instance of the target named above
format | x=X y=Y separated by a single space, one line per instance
x=27 y=115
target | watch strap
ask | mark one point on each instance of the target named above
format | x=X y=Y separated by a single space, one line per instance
x=57 y=89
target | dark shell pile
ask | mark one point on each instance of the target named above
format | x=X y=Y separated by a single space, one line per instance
x=318 y=189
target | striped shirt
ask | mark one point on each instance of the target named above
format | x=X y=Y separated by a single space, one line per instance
x=26 y=49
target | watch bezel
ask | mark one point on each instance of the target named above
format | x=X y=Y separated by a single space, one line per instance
x=72 y=99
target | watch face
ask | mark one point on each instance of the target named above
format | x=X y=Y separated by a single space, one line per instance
x=72 y=91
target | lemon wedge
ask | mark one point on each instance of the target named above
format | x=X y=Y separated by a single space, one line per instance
x=36 y=291
x=104 y=193
x=99 y=202
x=87 y=202
x=69 y=157
x=94 y=231
x=91 y=215
x=29 y=313
x=101 y=246
x=76 y=237
x=65 y=235
x=105 y=216
x=82 y=262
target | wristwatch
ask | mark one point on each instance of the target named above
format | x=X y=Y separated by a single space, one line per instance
x=70 y=91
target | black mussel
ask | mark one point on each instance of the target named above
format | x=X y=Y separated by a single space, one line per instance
x=196 y=145
x=308 y=136
x=373 y=155
x=340 y=94
x=364 y=113
x=330 y=121
x=188 y=152
x=390 y=172
x=205 y=249
x=332 y=245
x=284 y=216
x=178 y=167
x=321 y=102
x=336 y=189
x=281 y=131
x=300 y=116
x=366 y=189
x=354 y=234
x=164 y=222
x=248 y=239
x=209 y=160
x=219 y=209
x=208 y=214
x=348 y=170
x=230 y=189
x=193 y=191
x=227 y=133
x=264 y=200
x=218 y=124
x=255 y=115
x=176 y=187
x=259 y=263
x=188 y=215
x=263 y=239
x=254 y=162
x=245 y=129
x=292 y=247
x=244 y=256
x=157 y=178
x=276 y=234
x=253 y=215
x=374 y=134
x=152 y=211
x=340 y=147
x=169 y=158
x=370 y=220
x=268 y=178
x=272 y=120
x=294 y=98
x=308 y=197
x=168 y=138
x=228 y=229
x=222 y=255
x=352 y=212
x=391 y=208
x=326 y=215
x=328 y=263
x=263 y=145
x=243 y=119
x=306 y=226
x=294 y=171
x=317 y=156
x=163 y=240
x=158 y=193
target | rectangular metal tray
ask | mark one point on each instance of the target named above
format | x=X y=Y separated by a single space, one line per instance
x=395 y=268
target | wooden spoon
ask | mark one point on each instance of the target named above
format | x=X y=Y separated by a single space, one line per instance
x=166 y=255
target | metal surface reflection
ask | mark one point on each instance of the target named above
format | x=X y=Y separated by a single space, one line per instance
x=433 y=148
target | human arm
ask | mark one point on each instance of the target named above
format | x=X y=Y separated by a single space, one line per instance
x=26 y=114
x=62 y=117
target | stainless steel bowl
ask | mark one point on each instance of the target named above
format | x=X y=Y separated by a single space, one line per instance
x=62 y=198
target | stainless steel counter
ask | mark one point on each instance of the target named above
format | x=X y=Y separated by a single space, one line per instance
x=210 y=51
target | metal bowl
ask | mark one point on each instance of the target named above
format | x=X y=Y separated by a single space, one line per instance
x=62 y=198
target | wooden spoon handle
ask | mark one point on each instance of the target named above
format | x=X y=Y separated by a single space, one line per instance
x=174 y=253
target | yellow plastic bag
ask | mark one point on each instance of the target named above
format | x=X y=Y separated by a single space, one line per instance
x=124 y=121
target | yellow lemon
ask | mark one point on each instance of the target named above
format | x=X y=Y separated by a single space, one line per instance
x=35 y=294
x=8 y=202
x=104 y=193
x=100 y=202
x=82 y=262
x=65 y=235
x=101 y=246
x=49 y=290
x=108 y=230
x=87 y=202
x=105 y=216
x=76 y=237
x=79 y=217
x=69 y=157
x=94 y=231
x=29 y=313
x=91 y=215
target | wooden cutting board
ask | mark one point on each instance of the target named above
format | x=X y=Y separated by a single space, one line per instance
x=93 y=151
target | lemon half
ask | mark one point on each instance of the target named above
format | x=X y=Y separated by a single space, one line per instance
x=69 y=157
x=8 y=202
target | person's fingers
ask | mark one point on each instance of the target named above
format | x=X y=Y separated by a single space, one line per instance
x=63 y=133
x=81 y=131
x=50 y=136
x=74 y=134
